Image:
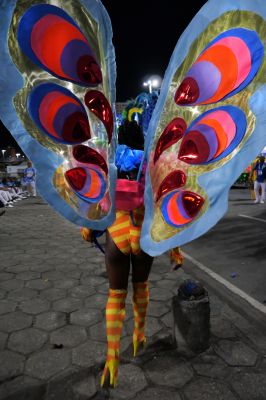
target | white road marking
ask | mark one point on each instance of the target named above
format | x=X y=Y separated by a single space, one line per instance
x=227 y=284
x=255 y=219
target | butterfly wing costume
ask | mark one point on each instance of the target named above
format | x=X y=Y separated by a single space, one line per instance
x=208 y=124
x=58 y=85
x=58 y=82
x=59 y=78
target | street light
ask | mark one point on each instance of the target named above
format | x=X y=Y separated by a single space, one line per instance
x=153 y=82
x=3 y=152
x=17 y=155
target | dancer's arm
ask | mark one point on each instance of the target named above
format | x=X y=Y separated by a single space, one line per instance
x=86 y=234
x=176 y=258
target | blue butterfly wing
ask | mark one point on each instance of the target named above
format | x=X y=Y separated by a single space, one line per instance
x=208 y=124
x=58 y=86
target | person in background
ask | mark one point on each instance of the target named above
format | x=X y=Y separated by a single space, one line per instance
x=251 y=179
x=2 y=206
x=6 y=197
x=15 y=183
x=15 y=191
x=259 y=168
x=23 y=185
x=30 y=179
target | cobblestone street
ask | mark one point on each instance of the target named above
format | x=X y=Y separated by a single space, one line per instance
x=53 y=290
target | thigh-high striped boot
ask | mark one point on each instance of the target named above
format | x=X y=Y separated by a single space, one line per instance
x=115 y=315
x=140 y=305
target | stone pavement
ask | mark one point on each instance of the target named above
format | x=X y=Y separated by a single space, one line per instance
x=53 y=290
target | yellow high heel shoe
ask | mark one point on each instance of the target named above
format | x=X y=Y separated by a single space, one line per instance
x=137 y=344
x=111 y=368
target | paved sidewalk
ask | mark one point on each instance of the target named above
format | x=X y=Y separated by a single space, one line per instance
x=53 y=290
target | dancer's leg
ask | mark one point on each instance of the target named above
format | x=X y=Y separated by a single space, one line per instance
x=141 y=266
x=118 y=266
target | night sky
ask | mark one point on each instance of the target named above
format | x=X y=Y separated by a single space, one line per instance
x=6 y=139
x=145 y=35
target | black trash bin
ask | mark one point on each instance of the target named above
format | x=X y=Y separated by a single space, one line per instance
x=191 y=311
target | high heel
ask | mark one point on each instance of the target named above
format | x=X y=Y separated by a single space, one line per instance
x=137 y=344
x=110 y=367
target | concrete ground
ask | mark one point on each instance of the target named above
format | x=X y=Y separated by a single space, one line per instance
x=236 y=247
x=53 y=290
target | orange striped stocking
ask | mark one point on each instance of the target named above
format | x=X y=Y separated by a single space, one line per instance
x=115 y=315
x=140 y=305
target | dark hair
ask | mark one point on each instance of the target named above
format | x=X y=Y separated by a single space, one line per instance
x=130 y=134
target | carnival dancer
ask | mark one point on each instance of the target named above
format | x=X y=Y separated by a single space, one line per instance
x=123 y=252
x=58 y=84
